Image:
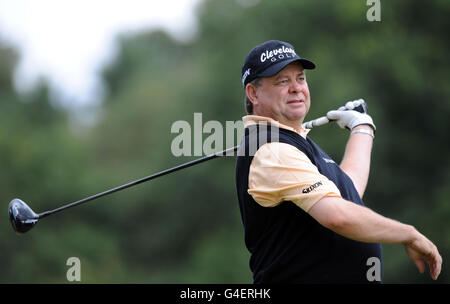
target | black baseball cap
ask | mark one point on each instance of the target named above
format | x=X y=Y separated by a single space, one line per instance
x=270 y=57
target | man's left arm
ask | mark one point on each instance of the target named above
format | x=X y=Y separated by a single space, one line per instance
x=356 y=161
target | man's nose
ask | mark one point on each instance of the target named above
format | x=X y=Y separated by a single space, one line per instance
x=295 y=87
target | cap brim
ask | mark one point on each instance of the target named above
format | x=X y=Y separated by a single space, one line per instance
x=274 y=69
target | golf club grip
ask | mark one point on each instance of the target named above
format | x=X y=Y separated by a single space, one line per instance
x=362 y=108
x=316 y=122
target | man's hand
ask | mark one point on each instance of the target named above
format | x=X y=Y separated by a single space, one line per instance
x=421 y=249
x=348 y=118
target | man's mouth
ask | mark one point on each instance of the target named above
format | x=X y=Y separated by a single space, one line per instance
x=296 y=101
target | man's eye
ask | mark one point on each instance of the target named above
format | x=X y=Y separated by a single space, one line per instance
x=301 y=78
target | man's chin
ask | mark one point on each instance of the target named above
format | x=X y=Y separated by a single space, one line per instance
x=297 y=116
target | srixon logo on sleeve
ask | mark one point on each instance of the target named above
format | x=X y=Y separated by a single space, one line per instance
x=312 y=187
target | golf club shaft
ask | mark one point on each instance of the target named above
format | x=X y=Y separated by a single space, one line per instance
x=139 y=181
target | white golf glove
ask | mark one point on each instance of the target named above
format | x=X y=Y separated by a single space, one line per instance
x=346 y=117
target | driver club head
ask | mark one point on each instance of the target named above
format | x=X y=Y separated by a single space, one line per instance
x=22 y=217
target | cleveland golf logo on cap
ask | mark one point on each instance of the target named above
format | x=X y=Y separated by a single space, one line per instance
x=269 y=58
x=275 y=54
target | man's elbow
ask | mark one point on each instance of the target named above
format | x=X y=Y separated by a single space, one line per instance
x=336 y=222
x=330 y=214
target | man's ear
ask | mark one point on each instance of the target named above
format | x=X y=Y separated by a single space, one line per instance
x=252 y=93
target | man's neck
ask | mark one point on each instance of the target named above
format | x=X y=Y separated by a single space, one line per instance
x=297 y=126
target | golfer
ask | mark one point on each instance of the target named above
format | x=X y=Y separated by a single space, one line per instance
x=303 y=214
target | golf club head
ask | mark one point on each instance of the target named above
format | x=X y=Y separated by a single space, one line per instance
x=21 y=216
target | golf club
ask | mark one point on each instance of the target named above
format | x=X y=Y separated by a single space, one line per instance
x=23 y=218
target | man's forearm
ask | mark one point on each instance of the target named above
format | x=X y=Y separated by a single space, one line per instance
x=363 y=224
x=356 y=161
x=359 y=223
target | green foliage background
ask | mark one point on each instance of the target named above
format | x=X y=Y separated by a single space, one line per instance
x=186 y=227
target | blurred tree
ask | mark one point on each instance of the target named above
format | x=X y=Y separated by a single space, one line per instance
x=186 y=227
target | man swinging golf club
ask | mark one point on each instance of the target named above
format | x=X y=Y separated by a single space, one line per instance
x=303 y=215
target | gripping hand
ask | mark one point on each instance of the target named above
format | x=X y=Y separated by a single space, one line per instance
x=351 y=115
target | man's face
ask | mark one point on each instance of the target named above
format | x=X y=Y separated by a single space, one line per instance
x=283 y=97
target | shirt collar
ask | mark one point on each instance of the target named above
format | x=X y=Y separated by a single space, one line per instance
x=255 y=119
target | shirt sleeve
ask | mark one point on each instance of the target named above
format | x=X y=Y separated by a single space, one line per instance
x=280 y=172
